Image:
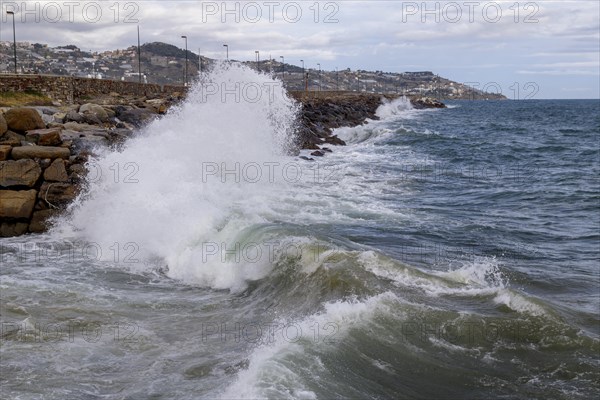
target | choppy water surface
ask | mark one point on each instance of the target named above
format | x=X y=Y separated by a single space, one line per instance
x=441 y=254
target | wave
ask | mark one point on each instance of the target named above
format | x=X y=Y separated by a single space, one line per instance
x=202 y=174
x=399 y=107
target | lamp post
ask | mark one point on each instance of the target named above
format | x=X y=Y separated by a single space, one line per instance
x=257 y=60
x=185 y=74
x=227 y=53
x=337 y=79
x=282 y=68
x=14 y=38
x=319 y=64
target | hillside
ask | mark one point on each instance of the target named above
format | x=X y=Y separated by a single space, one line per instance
x=164 y=63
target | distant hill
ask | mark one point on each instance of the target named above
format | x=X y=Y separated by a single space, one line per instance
x=164 y=49
x=164 y=63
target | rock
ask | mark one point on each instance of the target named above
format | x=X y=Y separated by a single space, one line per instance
x=11 y=139
x=19 y=173
x=335 y=140
x=23 y=119
x=306 y=158
x=17 y=204
x=158 y=105
x=56 y=172
x=45 y=110
x=60 y=117
x=137 y=117
x=40 y=152
x=48 y=119
x=317 y=153
x=327 y=149
x=74 y=116
x=87 y=139
x=94 y=111
x=45 y=137
x=57 y=193
x=73 y=126
x=91 y=119
x=426 y=102
x=4 y=152
x=40 y=221
x=10 y=229
x=3 y=125
x=78 y=172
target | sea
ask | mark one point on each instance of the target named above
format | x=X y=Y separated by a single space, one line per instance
x=441 y=254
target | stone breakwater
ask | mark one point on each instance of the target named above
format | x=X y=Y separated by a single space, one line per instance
x=324 y=111
x=44 y=150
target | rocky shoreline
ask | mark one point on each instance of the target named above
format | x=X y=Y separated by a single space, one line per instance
x=322 y=114
x=43 y=150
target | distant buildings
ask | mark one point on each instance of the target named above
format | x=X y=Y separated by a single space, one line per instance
x=164 y=64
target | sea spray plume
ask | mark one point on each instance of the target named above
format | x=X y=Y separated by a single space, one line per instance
x=189 y=186
x=393 y=108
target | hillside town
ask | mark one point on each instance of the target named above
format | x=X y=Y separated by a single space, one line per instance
x=163 y=63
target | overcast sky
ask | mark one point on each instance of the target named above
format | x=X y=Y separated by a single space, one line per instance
x=540 y=49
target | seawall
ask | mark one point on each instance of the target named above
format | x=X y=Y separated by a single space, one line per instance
x=67 y=89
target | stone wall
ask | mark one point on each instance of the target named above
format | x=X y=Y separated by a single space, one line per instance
x=70 y=89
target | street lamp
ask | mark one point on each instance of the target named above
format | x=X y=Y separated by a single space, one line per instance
x=319 y=64
x=14 y=38
x=185 y=76
x=282 y=68
x=257 y=60
x=227 y=49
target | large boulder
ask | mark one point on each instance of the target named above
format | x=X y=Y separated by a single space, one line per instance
x=40 y=152
x=40 y=221
x=11 y=139
x=3 y=125
x=19 y=173
x=94 y=112
x=17 y=204
x=45 y=137
x=137 y=117
x=58 y=193
x=23 y=119
x=56 y=172
x=87 y=139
